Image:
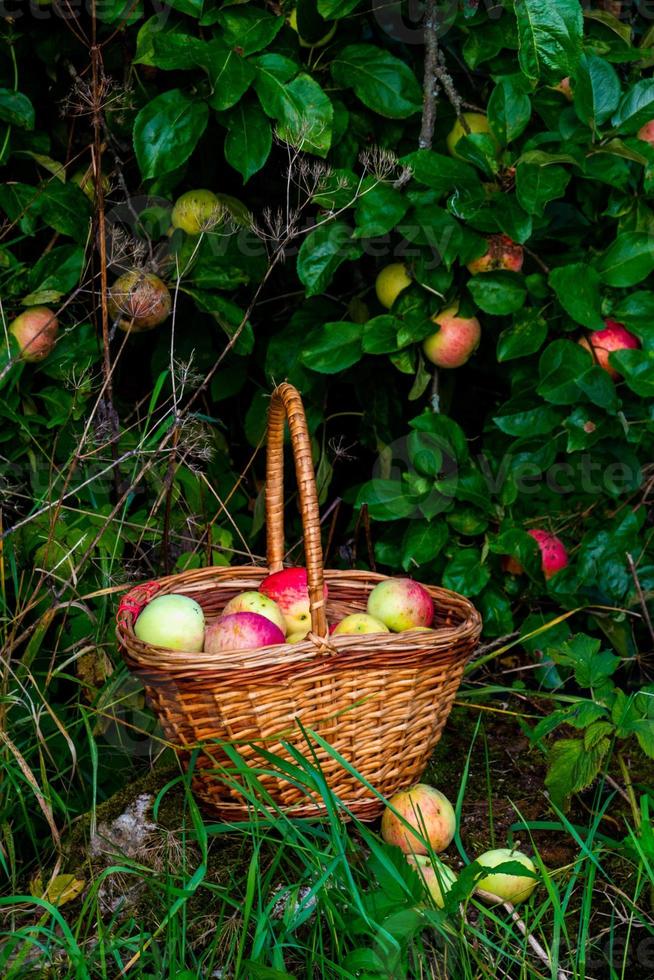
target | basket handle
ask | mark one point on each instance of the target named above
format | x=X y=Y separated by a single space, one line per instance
x=286 y=403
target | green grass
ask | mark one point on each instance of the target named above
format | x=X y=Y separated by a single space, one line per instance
x=274 y=897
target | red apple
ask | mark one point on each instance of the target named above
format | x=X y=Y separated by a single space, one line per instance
x=35 y=331
x=456 y=340
x=615 y=336
x=256 y=602
x=401 y=604
x=646 y=132
x=565 y=88
x=241 y=631
x=288 y=589
x=140 y=299
x=426 y=810
x=502 y=253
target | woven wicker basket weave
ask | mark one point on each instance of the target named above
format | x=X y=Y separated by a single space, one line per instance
x=380 y=700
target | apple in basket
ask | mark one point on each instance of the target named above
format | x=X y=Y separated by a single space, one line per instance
x=401 y=604
x=428 y=811
x=288 y=589
x=172 y=621
x=241 y=631
x=360 y=623
x=256 y=602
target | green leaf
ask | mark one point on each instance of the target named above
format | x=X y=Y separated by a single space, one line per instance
x=573 y=767
x=559 y=367
x=249 y=139
x=596 y=91
x=536 y=421
x=577 y=290
x=65 y=208
x=498 y=293
x=628 y=260
x=636 y=107
x=231 y=75
x=16 y=109
x=248 y=28
x=550 y=36
x=303 y=112
x=380 y=80
x=387 y=500
x=525 y=336
x=336 y=9
x=191 y=7
x=322 y=252
x=509 y=110
x=443 y=174
x=449 y=434
x=465 y=573
x=379 y=208
x=333 y=347
x=495 y=609
x=536 y=185
x=58 y=270
x=422 y=542
x=169 y=47
x=166 y=131
x=592 y=667
x=637 y=368
x=380 y=334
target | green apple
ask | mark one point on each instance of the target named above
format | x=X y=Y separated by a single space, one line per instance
x=360 y=623
x=172 y=621
x=507 y=887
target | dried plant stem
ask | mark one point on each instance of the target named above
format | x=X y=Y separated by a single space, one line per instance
x=429 y=88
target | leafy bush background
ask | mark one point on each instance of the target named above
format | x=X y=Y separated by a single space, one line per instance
x=127 y=456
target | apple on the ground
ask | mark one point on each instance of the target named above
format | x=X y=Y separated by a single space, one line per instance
x=427 y=811
x=512 y=888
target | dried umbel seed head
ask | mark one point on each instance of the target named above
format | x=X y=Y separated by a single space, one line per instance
x=35 y=330
x=140 y=299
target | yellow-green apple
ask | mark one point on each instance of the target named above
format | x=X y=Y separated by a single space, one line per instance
x=140 y=299
x=401 y=604
x=456 y=340
x=297 y=637
x=476 y=122
x=257 y=602
x=601 y=343
x=502 y=253
x=360 y=623
x=390 y=282
x=241 y=631
x=507 y=887
x=427 y=811
x=288 y=588
x=173 y=621
x=35 y=331
x=197 y=211
x=437 y=877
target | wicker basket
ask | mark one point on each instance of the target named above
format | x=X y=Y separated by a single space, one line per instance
x=380 y=700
